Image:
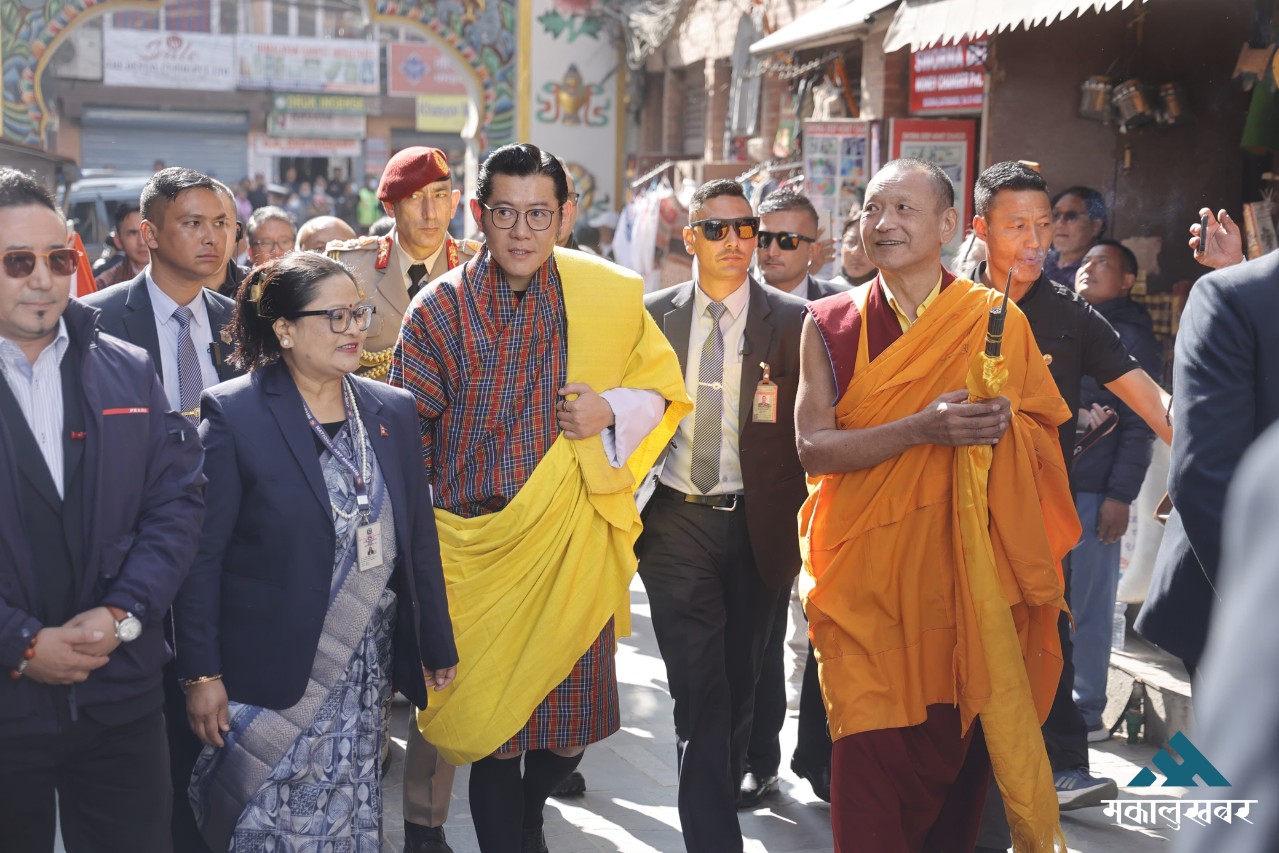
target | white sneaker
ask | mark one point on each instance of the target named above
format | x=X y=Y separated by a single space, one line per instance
x=1099 y=734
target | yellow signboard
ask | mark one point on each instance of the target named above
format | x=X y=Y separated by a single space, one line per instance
x=442 y=113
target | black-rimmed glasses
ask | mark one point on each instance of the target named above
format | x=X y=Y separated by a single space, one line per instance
x=20 y=263
x=340 y=319
x=787 y=241
x=539 y=218
x=717 y=229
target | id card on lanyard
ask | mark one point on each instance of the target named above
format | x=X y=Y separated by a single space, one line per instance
x=368 y=536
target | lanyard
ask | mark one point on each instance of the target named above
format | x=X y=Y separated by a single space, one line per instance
x=354 y=428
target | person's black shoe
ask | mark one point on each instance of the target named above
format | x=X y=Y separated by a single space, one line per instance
x=534 y=842
x=425 y=839
x=818 y=779
x=755 y=788
x=573 y=786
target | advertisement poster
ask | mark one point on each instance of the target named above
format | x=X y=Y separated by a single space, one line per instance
x=421 y=68
x=837 y=164
x=950 y=79
x=308 y=64
x=154 y=59
x=952 y=145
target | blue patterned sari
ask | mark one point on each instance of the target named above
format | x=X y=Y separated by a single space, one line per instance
x=309 y=778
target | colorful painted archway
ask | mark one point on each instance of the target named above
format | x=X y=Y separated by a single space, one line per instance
x=482 y=34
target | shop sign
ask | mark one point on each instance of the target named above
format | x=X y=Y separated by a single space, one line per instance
x=308 y=64
x=950 y=79
x=421 y=69
x=316 y=126
x=354 y=105
x=442 y=113
x=951 y=145
x=262 y=145
x=168 y=60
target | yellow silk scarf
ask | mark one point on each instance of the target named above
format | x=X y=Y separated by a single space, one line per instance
x=531 y=587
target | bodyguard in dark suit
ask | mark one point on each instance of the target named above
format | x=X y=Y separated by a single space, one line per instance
x=1225 y=394
x=170 y=311
x=720 y=541
x=101 y=500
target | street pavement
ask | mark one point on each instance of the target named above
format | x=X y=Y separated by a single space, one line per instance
x=630 y=804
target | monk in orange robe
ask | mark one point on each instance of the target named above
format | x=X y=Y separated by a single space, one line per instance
x=932 y=538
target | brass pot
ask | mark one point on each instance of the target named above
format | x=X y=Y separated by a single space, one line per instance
x=1133 y=104
x=1094 y=101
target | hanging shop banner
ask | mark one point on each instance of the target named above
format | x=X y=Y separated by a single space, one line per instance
x=837 y=161
x=442 y=113
x=261 y=145
x=950 y=79
x=308 y=64
x=951 y=144
x=168 y=60
x=351 y=105
x=316 y=126
x=421 y=69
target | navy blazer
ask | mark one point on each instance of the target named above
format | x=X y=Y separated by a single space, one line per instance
x=254 y=603
x=1226 y=393
x=126 y=312
x=143 y=509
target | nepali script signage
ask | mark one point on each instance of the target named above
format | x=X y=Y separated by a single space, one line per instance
x=168 y=60
x=348 y=66
x=948 y=80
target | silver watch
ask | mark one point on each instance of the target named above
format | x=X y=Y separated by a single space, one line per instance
x=128 y=629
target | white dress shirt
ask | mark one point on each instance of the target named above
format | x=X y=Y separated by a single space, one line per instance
x=167 y=329
x=677 y=473
x=38 y=388
x=406 y=261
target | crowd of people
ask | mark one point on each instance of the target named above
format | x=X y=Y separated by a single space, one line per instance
x=250 y=502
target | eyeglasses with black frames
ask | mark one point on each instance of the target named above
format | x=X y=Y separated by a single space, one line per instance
x=539 y=218
x=717 y=229
x=787 y=241
x=340 y=319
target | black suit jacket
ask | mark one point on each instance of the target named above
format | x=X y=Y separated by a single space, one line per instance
x=817 y=288
x=773 y=478
x=1226 y=392
x=126 y=313
x=253 y=605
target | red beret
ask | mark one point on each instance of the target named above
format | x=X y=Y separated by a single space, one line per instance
x=410 y=170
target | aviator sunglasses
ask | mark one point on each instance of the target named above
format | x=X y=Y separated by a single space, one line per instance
x=787 y=241
x=717 y=229
x=20 y=263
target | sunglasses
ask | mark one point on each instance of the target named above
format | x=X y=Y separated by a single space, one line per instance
x=20 y=263
x=787 y=241
x=717 y=229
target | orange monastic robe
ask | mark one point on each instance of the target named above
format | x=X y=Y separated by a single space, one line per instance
x=884 y=587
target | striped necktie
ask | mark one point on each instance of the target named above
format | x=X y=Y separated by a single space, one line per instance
x=190 y=380
x=708 y=410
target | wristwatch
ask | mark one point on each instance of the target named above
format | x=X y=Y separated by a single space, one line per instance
x=127 y=626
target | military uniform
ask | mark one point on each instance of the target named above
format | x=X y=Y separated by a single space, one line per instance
x=379 y=273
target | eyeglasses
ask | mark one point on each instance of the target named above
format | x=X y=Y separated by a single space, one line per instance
x=787 y=241
x=573 y=197
x=1067 y=216
x=273 y=245
x=717 y=229
x=20 y=263
x=340 y=319
x=539 y=218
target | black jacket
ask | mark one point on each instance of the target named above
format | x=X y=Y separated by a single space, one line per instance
x=254 y=603
x=1116 y=465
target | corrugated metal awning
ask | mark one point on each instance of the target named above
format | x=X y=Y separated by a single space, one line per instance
x=925 y=23
x=831 y=22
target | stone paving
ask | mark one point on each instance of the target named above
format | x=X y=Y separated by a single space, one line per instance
x=630 y=802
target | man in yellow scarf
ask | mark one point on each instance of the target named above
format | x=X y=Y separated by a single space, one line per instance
x=932 y=585
x=544 y=392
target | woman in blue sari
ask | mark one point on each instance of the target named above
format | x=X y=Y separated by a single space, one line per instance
x=318 y=586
